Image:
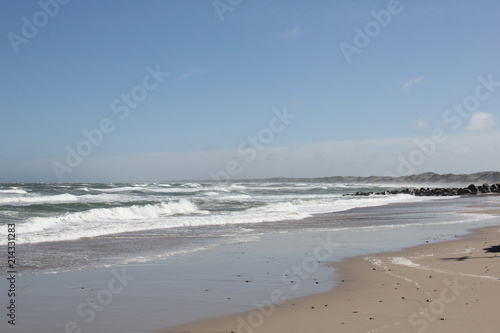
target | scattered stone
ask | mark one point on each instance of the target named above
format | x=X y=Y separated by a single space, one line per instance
x=440 y=191
x=485 y=188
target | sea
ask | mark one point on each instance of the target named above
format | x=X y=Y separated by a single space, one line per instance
x=187 y=251
x=67 y=227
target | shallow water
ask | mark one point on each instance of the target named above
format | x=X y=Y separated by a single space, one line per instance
x=225 y=277
x=65 y=227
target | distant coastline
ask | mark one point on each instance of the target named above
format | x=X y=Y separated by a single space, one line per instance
x=423 y=178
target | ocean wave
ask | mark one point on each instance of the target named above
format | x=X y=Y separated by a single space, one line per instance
x=108 y=221
x=168 y=190
x=237 y=187
x=31 y=200
x=13 y=191
x=328 y=203
x=67 y=198
x=185 y=188
x=221 y=197
x=192 y=185
x=125 y=213
x=119 y=189
x=135 y=207
x=294 y=188
x=10 y=213
x=103 y=221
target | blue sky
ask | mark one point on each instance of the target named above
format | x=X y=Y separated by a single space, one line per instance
x=232 y=67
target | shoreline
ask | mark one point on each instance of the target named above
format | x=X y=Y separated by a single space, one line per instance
x=440 y=287
x=224 y=281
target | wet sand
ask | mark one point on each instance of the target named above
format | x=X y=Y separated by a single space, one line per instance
x=443 y=287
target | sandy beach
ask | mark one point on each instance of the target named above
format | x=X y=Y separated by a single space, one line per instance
x=233 y=166
x=444 y=287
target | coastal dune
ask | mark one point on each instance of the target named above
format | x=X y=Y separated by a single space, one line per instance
x=423 y=178
x=443 y=287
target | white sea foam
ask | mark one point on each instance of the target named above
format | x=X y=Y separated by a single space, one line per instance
x=192 y=185
x=106 y=221
x=276 y=202
x=10 y=213
x=403 y=262
x=146 y=209
x=34 y=199
x=212 y=194
x=327 y=203
x=126 y=213
x=37 y=199
x=173 y=190
x=13 y=191
x=164 y=188
x=103 y=221
x=237 y=187
x=222 y=197
x=119 y=189
x=287 y=212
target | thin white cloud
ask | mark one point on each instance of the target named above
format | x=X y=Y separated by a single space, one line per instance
x=192 y=72
x=313 y=159
x=294 y=32
x=456 y=153
x=407 y=85
x=480 y=121
x=421 y=123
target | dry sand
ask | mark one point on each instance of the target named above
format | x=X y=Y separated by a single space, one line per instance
x=445 y=287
